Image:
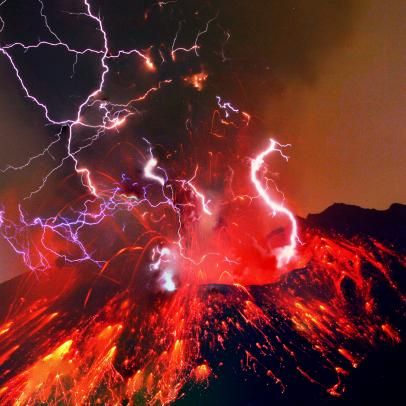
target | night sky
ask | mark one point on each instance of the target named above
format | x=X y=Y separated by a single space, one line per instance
x=327 y=77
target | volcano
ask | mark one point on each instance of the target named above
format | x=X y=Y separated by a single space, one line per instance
x=329 y=332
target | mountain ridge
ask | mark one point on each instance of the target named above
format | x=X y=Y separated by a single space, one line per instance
x=388 y=225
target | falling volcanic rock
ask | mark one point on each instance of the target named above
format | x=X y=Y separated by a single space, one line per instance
x=155 y=275
x=300 y=336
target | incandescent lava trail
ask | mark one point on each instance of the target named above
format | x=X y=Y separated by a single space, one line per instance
x=154 y=265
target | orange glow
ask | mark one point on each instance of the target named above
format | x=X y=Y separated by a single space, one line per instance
x=196 y=80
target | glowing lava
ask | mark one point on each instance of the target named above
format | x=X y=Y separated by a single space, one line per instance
x=147 y=278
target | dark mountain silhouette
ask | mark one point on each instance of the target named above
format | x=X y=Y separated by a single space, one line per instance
x=388 y=226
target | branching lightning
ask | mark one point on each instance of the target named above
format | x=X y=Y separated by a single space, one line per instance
x=284 y=254
x=113 y=116
x=174 y=248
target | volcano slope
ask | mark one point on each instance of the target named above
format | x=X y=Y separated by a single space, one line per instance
x=329 y=332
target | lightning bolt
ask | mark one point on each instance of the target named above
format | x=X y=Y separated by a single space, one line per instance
x=111 y=116
x=285 y=253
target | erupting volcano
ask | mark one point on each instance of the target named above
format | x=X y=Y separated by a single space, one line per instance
x=164 y=266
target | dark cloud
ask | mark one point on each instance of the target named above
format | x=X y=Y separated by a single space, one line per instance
x=275 y=43
x=289 y=38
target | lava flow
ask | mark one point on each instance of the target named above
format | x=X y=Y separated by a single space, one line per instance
x=155 y=266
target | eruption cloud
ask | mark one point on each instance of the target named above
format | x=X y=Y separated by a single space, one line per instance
x=164 y=272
